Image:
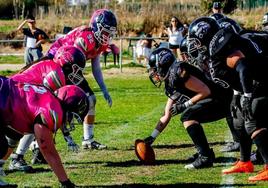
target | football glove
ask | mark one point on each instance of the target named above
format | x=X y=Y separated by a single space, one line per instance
x=149 y=140
x=235 y=105
x=177 y=108
x=72 y=146
x=67 y=184
x=108 y=98
x=246 y=108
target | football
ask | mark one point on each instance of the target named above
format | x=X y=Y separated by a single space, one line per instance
x=144 y=152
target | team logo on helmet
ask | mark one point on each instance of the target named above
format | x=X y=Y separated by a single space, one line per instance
x=201 y=29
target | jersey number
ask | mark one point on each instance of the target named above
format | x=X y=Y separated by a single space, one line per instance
x=37 y=89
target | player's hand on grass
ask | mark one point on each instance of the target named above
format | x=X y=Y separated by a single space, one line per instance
x=72 y=146
x=67 y=184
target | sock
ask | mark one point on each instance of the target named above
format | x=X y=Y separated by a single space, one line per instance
x=88 y=132
x=24 y=144
x=230 y=123
x=261 y=142
x=245 y=147
x=199 y=139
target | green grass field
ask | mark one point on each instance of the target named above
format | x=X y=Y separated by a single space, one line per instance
x=137 y=106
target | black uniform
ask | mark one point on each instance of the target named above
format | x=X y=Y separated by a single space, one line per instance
x=248 y=76
x=212 y=108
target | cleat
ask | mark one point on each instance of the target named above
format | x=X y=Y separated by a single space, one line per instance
x=17 y=163
x=86 y=144
x=261 y=176
x=193 y=157
x=2 y=172
x=38 y=158
x=202 y=161
x=240 y=167
x=231 y=147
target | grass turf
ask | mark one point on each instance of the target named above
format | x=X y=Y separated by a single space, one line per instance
x=137 y=106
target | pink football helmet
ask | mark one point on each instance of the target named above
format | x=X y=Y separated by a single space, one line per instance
x=103 y=24
x=72 y=61
x=74 y=101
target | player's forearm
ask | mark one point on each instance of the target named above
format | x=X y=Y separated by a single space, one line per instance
x=53 y=159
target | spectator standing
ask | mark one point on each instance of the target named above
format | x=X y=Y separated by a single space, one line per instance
x=143 y=48
x=34 y=37
x=217 y=8
x=175 y=33
x=265 y=22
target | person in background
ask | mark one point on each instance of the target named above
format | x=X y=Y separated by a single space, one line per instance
x=265 y=22
x=175 y=33
x=112 y=48
x=217 y=8
x=34 y=37
x=143 y=48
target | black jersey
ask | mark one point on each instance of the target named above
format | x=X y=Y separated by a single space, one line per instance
x=175 y=83
x=224 y=43
x=259 y=40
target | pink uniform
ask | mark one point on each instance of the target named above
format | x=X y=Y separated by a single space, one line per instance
x=45 y=73
x=22 y=103
x=69 y=39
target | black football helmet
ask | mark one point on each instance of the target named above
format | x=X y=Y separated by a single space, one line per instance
x=228 y=22
x=160 y=61
x=217 y=16
x=200 y=33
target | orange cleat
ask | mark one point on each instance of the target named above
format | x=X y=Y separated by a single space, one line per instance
x=240 y=167
x=261 y=176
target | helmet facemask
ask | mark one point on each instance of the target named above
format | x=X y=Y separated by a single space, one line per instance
x=154 y=77
x=104 y=33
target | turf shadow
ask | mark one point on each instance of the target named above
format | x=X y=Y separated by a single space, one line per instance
x=32 y=171
x=180 y=185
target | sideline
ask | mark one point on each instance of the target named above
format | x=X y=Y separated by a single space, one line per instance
x=12 y=67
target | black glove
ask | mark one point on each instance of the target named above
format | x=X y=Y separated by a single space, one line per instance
x=177 y=108
x=235 y=105
x=246 y=108
x=67 y=184
x=149 y=140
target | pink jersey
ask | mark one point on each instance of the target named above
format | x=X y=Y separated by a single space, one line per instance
x=69 y=39
x=45 y=73
x=22 y=103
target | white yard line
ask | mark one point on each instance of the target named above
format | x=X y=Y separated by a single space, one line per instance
x=227 y=181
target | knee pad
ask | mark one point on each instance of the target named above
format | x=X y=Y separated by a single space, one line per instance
x=92 y=104
x=11 y=142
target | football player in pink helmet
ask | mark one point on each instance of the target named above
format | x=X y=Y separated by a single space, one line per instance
x=65 y=68
x=26 y=109
x=92 y=40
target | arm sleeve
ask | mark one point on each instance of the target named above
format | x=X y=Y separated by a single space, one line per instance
x=96 y=70
x=244 y=75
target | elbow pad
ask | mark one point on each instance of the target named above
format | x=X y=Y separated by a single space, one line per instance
x=245 y=76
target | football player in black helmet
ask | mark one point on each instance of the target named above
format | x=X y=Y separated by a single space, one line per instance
x=192 y=94
x=238 y=62
x=228 y=22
